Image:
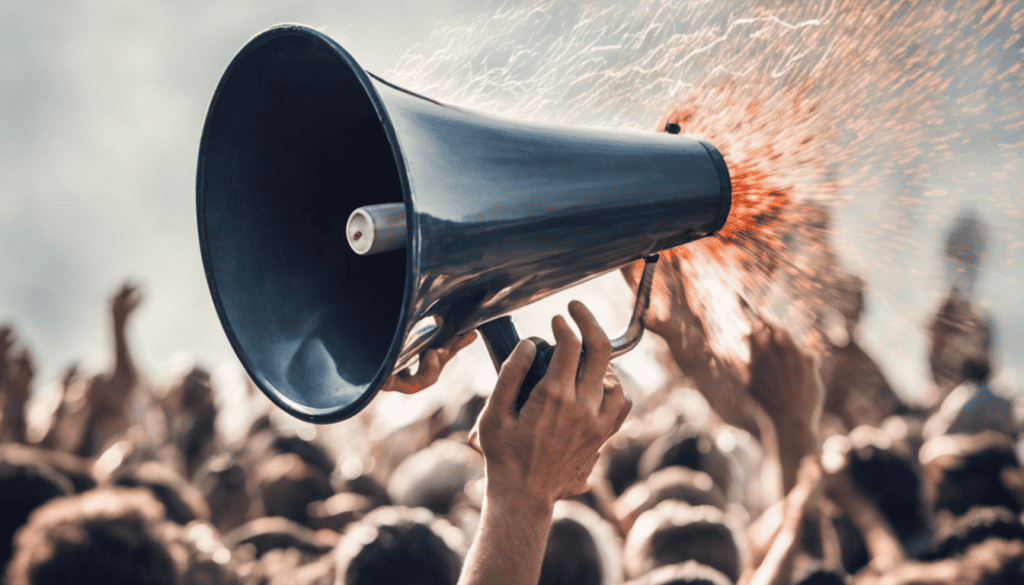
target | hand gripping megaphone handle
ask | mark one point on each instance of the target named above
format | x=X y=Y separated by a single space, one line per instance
x=501 y=337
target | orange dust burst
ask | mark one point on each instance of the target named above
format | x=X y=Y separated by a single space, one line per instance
x=812 y=104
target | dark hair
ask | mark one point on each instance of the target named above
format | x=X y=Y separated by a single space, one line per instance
x=193 y=422
x=976 y=481
x=398 y=546
x=620 y=462
x=695 y=488
x=182 y=501
x=688 y=573
x=852 y=546
x=25 y=484
x=287 y=486
x=973 y=527
x=890 y=479
x=274 y=532
x=977 y=369
x=674 y=532
x=102 y=536
x=224 y=483
x=690 y=448
x=571 y=555
x=816 y=574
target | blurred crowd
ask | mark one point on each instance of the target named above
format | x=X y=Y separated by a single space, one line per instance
x=802 y=466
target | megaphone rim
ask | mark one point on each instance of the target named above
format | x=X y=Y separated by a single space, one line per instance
x=301 y=411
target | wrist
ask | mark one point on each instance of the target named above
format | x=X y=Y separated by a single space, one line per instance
x=523 y=504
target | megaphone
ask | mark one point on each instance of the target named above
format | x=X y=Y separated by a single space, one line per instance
x=469 y=216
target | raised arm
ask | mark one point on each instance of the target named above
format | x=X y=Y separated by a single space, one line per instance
x=16 y=373
x=670 y=316
x=122 y=305
x=544 y=452
x=785 y=382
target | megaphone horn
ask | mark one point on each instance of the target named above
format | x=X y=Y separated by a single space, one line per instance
x=347 y=224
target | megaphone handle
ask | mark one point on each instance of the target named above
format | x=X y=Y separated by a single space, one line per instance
x=501 y=338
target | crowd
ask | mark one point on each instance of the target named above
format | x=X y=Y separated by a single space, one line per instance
x=800 y=467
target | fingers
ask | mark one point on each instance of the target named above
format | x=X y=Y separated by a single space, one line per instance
x=597 y=353
x=448 y=351
x=428 y=371
x=616 y=405
x=510 y=379
x=431 y=363
x=561 y=373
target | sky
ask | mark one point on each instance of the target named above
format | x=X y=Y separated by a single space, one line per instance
x=101 y=108
x=102 y=103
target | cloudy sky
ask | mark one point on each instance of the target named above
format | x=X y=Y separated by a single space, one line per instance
x=102 y=104
x=101 y=108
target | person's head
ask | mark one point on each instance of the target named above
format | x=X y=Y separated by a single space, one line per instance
x=688 y=573
x=287 y=486
x=695 y=488
x=223 y=482
x=399 y=546
x=889 y=477
x=194 y=390
x=964 y=471
x=620 y=458
x=435 y=477
x=582 y=548
x=961 y=341
x=674 y=532
x=203 y=556
x=25 y=484
x=270 y=533
x=816 y=574
x=691 y=448
x=312 y=453
x=105 y=536
x=193 y=423
x=977 y=525
x=570 y=555
x=181 y=500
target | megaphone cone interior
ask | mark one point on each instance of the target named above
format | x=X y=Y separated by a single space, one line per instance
x=498 y=214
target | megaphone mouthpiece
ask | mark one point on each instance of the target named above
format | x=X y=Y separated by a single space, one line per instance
x=375 y=229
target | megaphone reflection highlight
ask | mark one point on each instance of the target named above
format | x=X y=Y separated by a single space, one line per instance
x=498 y=214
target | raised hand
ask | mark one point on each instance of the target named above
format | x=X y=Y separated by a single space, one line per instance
x=670 y=315
x=543 y=452
x=784 y=381
x=21 y=372
x=6 y=343
x=547 y=450
x=783 y=378
x=124 y=302
x=431 y=363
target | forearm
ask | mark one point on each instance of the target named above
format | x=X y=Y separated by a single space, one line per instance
x=124 y=367
x=509 y=545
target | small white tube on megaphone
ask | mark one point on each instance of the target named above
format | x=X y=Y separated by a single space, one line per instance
x=374 y=229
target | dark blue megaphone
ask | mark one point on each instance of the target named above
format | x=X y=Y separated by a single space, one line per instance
x=347 y=224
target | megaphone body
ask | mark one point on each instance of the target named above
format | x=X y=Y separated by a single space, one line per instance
x=498 y=214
